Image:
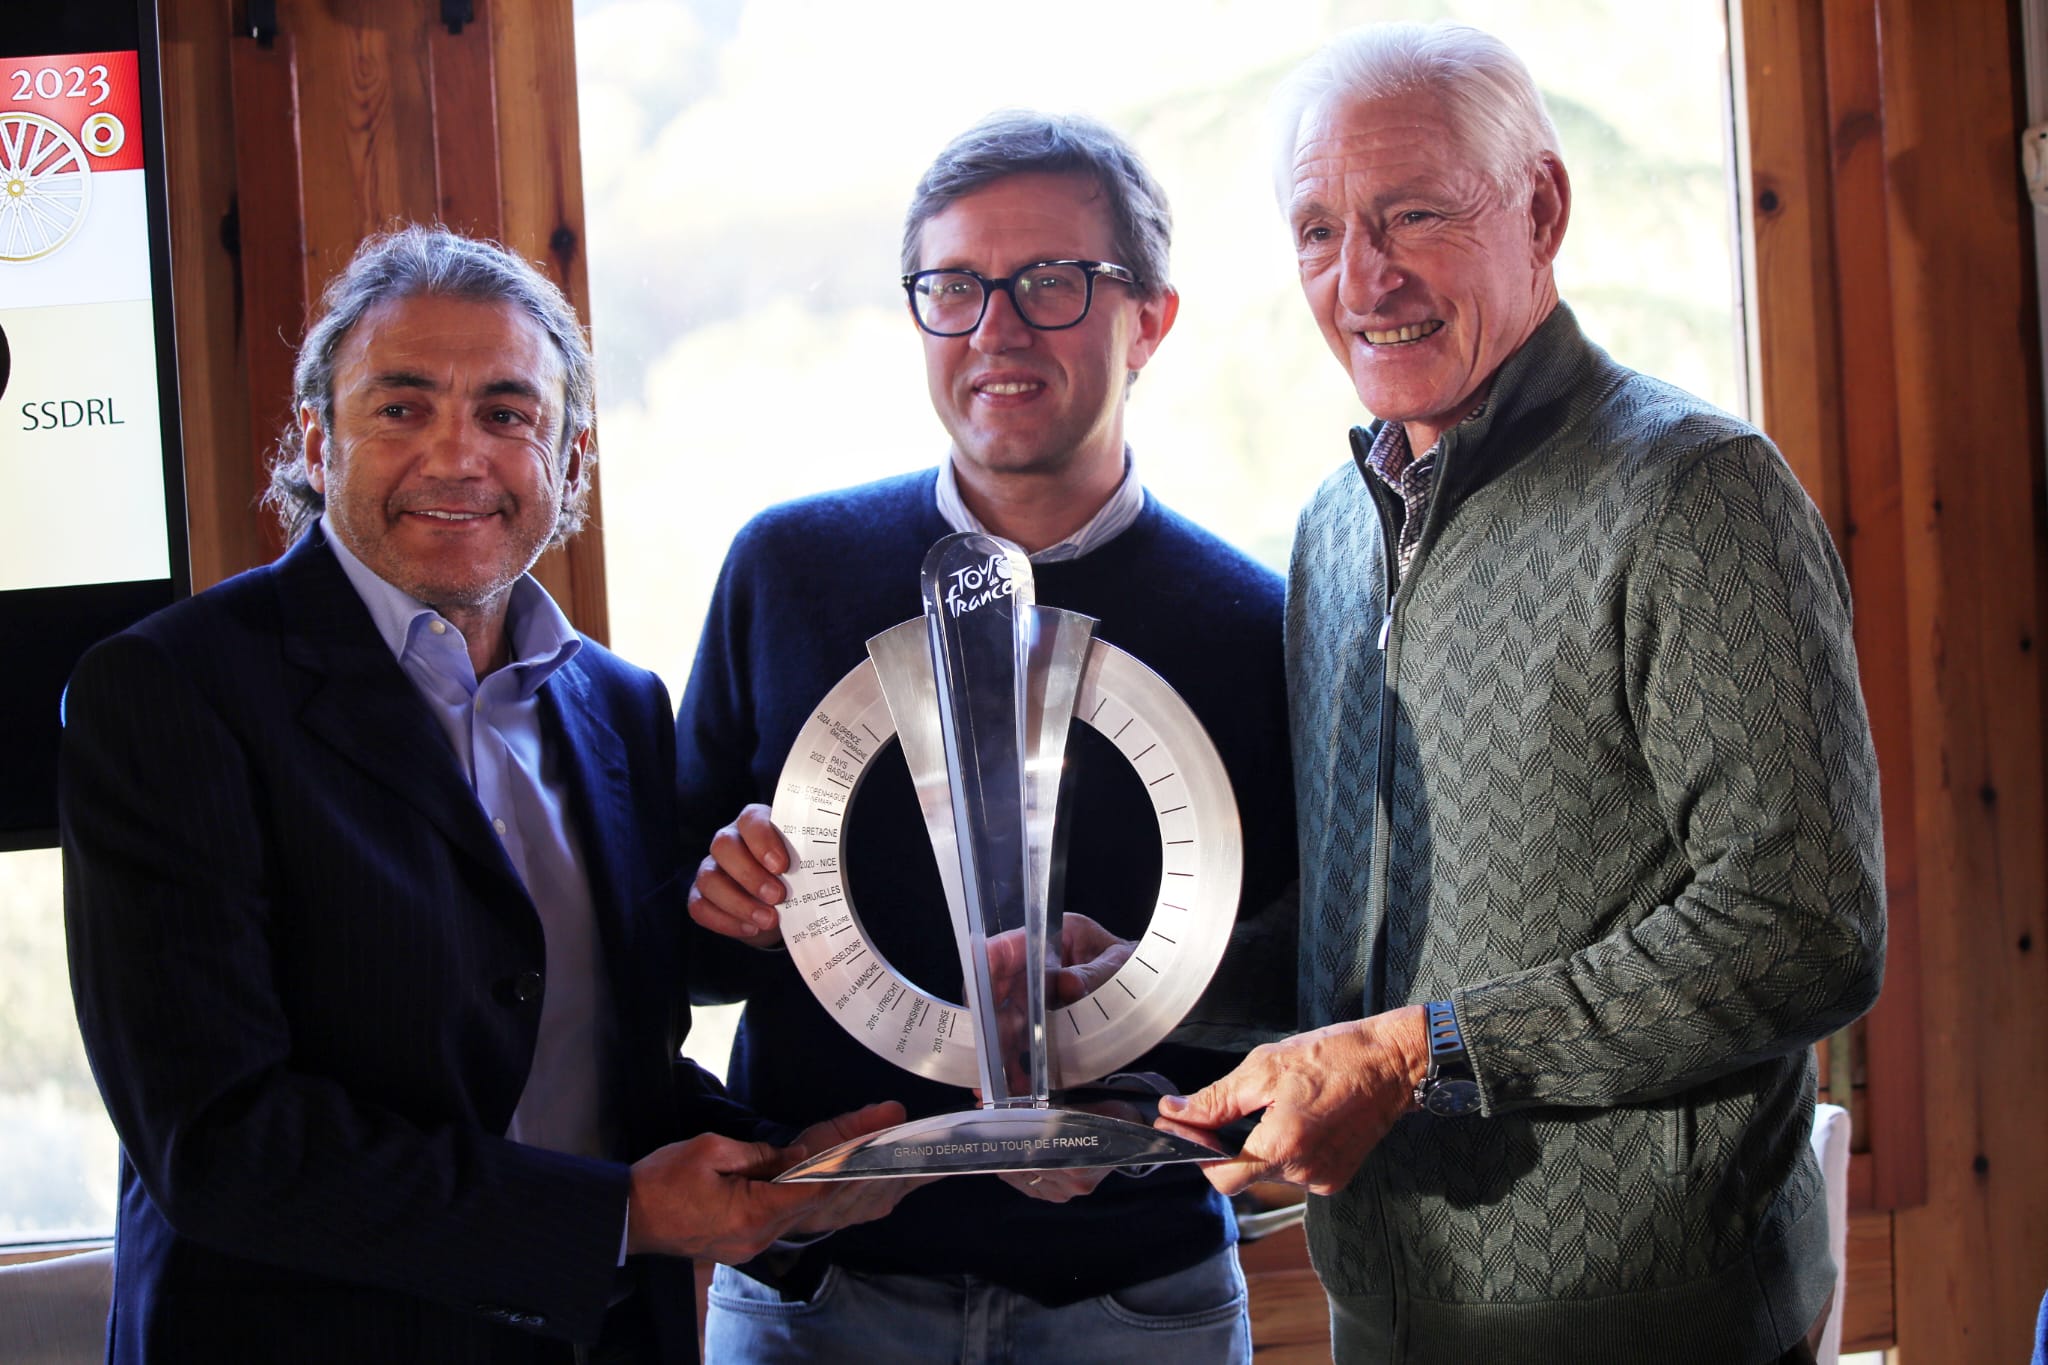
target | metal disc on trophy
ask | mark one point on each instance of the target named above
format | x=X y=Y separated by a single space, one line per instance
x=981 y=694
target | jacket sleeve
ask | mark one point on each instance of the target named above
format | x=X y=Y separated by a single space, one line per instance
x=173 y=892
x=1742 y=688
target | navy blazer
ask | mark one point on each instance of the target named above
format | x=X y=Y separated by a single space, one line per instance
x=309 y=982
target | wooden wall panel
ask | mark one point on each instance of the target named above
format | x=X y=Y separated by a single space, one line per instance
x=1932 y=325
x=362 y=115
x=367 y=131
x=1973 y=1260
x=1816 y=265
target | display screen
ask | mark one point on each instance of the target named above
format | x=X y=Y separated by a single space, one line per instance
x=91 y=507
x=80 y=441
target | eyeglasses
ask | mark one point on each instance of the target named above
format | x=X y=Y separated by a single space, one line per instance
x=1049 y=296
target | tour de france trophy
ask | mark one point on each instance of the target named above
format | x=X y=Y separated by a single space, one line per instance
x=980 y=693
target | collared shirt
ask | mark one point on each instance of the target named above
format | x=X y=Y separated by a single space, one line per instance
x=493 y=727
x=1413 y=480
x=1111 y=520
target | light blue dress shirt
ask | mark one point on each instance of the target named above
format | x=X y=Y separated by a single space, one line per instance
x=493 y=727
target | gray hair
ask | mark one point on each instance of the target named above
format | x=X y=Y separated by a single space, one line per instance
x=420 y=260
x=1018 y=142
x=1494 y=107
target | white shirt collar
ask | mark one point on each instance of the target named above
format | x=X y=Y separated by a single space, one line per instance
x=1111 y=520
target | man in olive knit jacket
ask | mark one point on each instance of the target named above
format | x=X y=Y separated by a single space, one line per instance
x=1588 y=808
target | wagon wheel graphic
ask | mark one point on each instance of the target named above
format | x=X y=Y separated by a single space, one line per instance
x=44 y=186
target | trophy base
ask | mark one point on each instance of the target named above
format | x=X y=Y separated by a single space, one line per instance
x=988 y=1141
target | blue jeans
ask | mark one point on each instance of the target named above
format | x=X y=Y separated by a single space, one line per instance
x=1193 y=1315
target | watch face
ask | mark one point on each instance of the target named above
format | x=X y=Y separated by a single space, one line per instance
x=1452 y=1098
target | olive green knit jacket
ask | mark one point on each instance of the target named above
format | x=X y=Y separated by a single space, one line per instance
x=1604 y=782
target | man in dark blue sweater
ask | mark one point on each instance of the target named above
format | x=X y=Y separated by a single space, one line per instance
x=1035 y=258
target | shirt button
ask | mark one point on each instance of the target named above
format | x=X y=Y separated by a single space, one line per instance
x=477 y=702
x=498 y=825
x=438 y=627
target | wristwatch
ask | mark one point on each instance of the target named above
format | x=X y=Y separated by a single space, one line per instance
x=1449 y=1088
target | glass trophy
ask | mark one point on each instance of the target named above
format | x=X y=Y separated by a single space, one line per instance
x=981 y=693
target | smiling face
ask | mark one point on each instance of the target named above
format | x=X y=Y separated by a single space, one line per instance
x=1421 y=275
x=1022 y=403
x=444 y=472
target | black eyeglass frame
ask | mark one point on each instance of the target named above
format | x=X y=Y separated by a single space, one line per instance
x=1089 y=270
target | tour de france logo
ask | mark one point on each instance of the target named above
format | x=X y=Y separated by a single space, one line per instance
x=977 y=585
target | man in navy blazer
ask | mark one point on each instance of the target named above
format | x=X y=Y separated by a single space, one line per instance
x=371 y=885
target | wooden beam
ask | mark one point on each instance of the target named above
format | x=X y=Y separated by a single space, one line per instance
x=1787 y=218
x=1818 y=251
x=1873 y=545
x=270 y=245
x=535 y=42
x=221 y=486
x=462 y=83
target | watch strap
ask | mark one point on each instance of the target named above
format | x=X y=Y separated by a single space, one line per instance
x=1450 y=1087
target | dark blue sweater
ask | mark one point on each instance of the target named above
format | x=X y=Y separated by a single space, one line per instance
x=803 y=587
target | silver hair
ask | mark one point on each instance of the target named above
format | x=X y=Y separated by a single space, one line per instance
x=1018 y=142
x=1491 y=99
x=413 y=261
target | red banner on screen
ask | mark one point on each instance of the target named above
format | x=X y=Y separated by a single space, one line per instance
x=92 y=97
